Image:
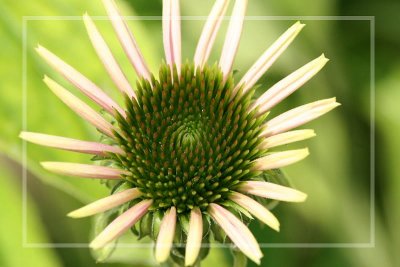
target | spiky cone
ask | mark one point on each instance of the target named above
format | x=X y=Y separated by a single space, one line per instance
x=187 y=154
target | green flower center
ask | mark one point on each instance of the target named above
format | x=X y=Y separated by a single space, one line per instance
x=188 y=140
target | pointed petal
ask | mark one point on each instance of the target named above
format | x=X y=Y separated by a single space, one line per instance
x=166 y=235
x=172 y=32
x=288 y=85
x=107 y=58
x=106 y=203
x=127 y=40
x=237 y=232
x=256 y=209
x=121 y=224
x=272 y=191
x=83 y=170
x=232 y=37
x=80 y=81
x=280 y=159
x=70 y=144
x=298 y=116
x=286 y=138
x=268 y=58
x=209 y=32
x=194 y=238
x=80 y=107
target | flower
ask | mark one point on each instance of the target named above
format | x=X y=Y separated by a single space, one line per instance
x=189 y=153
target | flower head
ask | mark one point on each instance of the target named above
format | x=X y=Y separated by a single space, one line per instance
x=189 y=150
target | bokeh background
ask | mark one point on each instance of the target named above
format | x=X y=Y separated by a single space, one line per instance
x=336 y=175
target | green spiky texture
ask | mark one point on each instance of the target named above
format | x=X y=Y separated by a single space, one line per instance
x=188 y=140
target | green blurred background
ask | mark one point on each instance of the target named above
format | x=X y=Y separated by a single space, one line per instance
x=336 y=175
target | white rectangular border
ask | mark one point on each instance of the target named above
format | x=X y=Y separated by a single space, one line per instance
x=372 y=241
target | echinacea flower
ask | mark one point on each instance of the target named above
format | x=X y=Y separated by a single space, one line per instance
x=188 y=153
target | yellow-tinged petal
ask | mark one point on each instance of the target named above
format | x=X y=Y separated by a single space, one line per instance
x=287 y=138
x=106 y=203
x=256 y=209
x=272 y=191
x=237 y=232
x=280 y=159
x=166 y=235
x=121 y=224
x=194 y=238
x=84 y=170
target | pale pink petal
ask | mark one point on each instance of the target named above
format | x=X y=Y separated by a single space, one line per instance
x=232 y=37
x=106 y=203
x=194 y=238
x=237 y=232
x=280 y=159
x=272 y=191
x=268 y=58
x=80 y=81
x=121 y=224
x=172 y=32
x=107 y=58
x=70 y=144
x=166 y=235
x=288 y=85
x=256 y=209
x=209 y=32
x=286 y=138
x=80 y=107
x=127 y=40
x=298 y=116
x=84 y=170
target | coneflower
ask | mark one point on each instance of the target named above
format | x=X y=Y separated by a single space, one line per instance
x=190 y=149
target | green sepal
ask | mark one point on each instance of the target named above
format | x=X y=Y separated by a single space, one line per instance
x=145 y=225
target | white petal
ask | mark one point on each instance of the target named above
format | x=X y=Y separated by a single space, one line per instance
x=272 y=191
x=70 y=144
x=127 y=40
x=121 y=224
x=298 y=116
x=84 y=170
x=209 y=32
x=107 y=58
x=194 y=238
x=280 y=159
x=232 y=37
x=288 y=85
x=80 y=81
x=269 y=57
x=80 y=107
x=256 y=209
x=166 y=235
x=237 y=232
x=286 y=138
x=172 y=32
x=106 y=203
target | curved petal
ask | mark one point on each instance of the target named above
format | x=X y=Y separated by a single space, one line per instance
x=194 y=238
x=272 y=191
x=166 y=235
x=80 y=107
x=70 y=144
x=80 y=81
x=172 y=33
x=127 y=40
x=106 y=203
x=121 y=224
x=298 y=116
x=232 y=37
x=287 y=138
x=237 y=232
x=209 y=32
x=256 y=209
x=83 y=170
x=107 y=58
x=280 y=159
